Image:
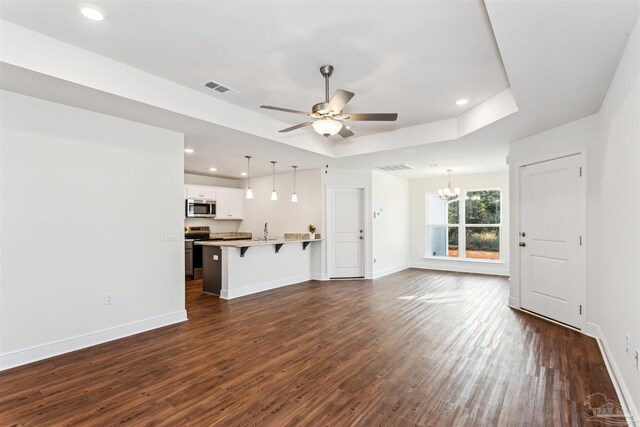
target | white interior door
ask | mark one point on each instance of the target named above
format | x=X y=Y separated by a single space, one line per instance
x=552 y=219
x=345 y=236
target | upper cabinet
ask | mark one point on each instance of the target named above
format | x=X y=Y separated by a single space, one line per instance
x=200 y=192
x=229 y=201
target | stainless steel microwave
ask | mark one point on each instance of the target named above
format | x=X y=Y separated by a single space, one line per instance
x=200 y=208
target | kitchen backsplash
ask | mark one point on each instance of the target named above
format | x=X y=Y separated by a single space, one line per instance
x=214 y=226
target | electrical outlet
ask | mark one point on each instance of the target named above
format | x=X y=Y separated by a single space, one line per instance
x=108 y=298
x=626 y=344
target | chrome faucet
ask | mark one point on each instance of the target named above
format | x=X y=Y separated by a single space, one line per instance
x=266 y=231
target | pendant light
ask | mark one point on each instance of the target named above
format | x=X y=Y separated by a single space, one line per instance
x=449 y=193
x=249 y=190
x=274 y=195
x=294 y=196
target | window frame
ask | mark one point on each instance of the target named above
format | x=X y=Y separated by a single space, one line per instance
x=462 y=227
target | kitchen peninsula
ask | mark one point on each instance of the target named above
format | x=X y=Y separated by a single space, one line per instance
x=236 y=268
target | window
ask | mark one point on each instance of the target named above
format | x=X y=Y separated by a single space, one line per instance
x=464 y=228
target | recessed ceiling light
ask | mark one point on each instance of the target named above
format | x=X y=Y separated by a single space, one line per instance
x=188 y=150
x=213 y=169
x=91 y=12
x=243 y=174
x=462 y=101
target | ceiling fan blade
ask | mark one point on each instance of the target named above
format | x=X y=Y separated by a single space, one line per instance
x=339 y=100
x=286 y=110
x=345 y=133
x=301 y=125
x=370 y=117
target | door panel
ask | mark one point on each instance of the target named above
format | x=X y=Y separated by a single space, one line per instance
x=345 y=236
x=552 y=217
x=346 y=255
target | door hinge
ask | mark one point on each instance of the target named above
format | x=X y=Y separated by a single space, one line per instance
x=580 y=308
x=580 y=240
x=580 y=170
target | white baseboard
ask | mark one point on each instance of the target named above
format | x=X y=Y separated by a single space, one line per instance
x=628 y=406
x=319 y=277
x=261 y=287
x=513 y=303
x=592 y=330
x=492 y=268
x=390 y=270
x=45 y=351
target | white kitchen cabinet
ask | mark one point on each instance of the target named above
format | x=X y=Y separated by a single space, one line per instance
x=229 y=203
x=200 y=192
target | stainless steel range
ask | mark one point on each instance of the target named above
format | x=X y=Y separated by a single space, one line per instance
x=193 y=253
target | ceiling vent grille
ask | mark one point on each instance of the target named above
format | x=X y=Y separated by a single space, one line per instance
x=392 y=168
x=220 y=88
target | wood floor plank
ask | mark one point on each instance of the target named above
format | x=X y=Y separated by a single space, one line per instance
x=416 y=348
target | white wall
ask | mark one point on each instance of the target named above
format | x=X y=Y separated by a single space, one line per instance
x=611 y=143
x=71 y=180
x=390 y=202
x=617 y=284
x=283 y=215
x=190 y=178
x=418 y=189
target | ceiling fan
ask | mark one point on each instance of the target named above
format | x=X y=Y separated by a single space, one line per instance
x=328 y=115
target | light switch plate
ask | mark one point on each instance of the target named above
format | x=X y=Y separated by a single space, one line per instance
x=169 y=236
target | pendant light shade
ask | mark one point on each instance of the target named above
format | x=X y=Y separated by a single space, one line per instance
x=327 y=127
x=274 y=195
x=294 y=196
x=249 y=190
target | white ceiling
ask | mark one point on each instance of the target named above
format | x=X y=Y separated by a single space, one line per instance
x=414 y=58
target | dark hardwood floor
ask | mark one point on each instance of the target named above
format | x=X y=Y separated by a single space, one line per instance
x=417 y=348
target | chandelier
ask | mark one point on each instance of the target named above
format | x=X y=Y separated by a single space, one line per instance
x=449 y=193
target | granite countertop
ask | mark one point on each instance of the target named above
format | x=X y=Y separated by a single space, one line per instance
x=251 y=243
x=231 y=235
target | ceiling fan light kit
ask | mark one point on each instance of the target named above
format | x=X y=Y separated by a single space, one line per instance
x=327 y=127
x=328 y=116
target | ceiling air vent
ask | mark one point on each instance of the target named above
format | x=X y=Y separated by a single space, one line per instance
x=392 y=168
x=220 y=87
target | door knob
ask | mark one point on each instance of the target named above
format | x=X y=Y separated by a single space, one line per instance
x=523 y=244
x=360 y=237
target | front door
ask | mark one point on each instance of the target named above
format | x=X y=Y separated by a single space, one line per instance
x=552 y=256
x=345 y=238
